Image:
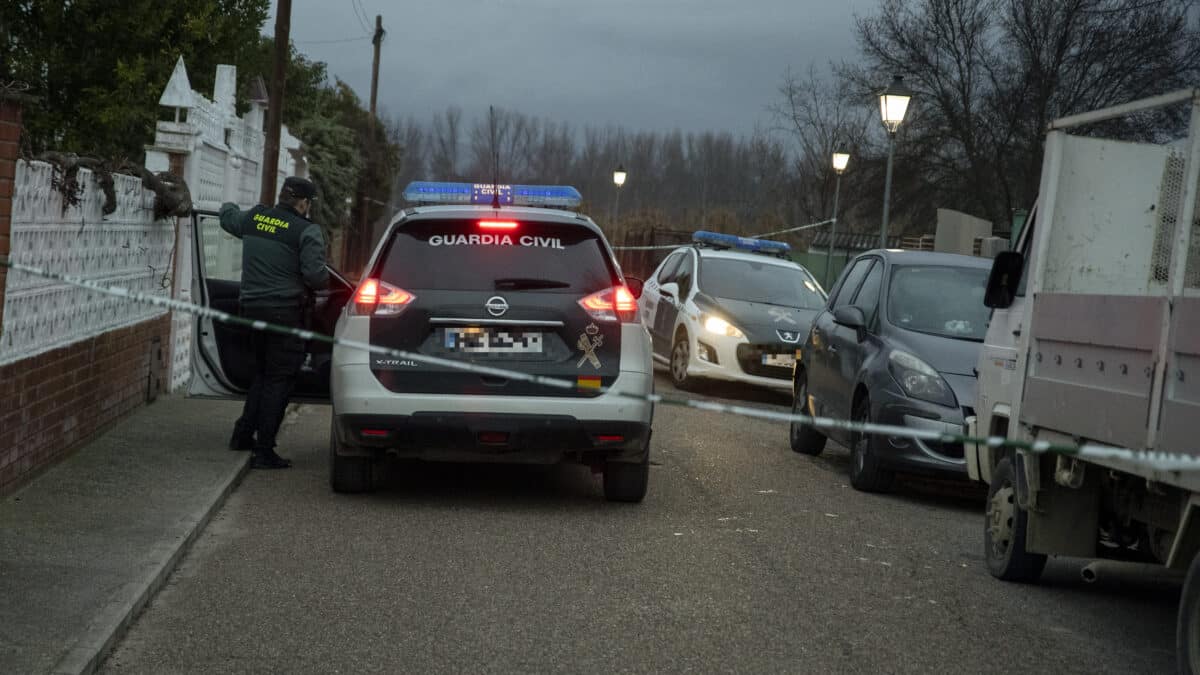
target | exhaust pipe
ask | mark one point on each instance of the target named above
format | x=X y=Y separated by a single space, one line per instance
x=1090 y=573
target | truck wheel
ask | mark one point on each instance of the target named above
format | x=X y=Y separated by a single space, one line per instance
x=681 y=356
x=627 y=481
x=866 y=474
x=1004 y=530
x=349 y=475
x=805 y=439
x=1187 y=627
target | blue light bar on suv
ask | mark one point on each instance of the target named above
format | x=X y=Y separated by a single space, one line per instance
x=743 y=243
x=427 y=192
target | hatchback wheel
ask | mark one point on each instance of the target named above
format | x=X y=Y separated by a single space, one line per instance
x=805 y=438
x=349 y=474
x=866 y=474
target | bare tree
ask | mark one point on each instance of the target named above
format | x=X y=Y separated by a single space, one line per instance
x=445 y=143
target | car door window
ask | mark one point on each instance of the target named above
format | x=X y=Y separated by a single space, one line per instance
x=867 y=298
x=851 y=282
x=667 y=271
x=222 y=251
x=684 y=276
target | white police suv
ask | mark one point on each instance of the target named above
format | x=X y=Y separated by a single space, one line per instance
x=493 y=277
x=730 y=308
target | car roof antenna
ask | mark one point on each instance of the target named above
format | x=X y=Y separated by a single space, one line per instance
x=495 y=158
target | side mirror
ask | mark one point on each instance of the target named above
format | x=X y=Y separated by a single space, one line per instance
x=850 y=317
x=669 y=290
x=1004 y=280
x=635 y=286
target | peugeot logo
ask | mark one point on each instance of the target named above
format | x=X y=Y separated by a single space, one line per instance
x=496 y=305
x=788 y=335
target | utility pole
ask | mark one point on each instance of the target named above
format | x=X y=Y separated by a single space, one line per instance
x=364 y=237
x=270 y=165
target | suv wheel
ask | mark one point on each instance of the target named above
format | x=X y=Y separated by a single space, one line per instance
x=866 y=474
x=681 y=355
x=805 y=439
x=349 y=475
x=627 y=481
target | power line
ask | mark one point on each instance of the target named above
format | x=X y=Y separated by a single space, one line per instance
x=364 y=19
x=325 y=42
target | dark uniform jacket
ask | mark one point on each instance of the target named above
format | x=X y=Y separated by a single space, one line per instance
x=283 y=254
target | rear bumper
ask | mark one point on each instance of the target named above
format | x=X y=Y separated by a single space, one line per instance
x=444 y=427
x=467 y=437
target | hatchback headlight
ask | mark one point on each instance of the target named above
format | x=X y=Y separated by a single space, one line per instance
x=719 y=326
x=919 y=380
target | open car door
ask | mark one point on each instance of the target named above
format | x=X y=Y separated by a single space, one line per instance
x=222 y=365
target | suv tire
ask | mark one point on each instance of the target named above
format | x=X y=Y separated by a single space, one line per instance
x=627 y=481
x=349 y=475
x=805 y=439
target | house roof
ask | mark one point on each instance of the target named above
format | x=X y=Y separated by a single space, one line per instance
x=855 y=241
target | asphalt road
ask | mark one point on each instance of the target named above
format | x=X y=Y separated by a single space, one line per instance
x=744 y=557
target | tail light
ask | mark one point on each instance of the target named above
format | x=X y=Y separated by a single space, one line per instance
x=497 y=224
x=379 y=298
x=612 y=304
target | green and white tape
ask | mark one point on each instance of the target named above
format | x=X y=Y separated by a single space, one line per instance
x=1157 y=460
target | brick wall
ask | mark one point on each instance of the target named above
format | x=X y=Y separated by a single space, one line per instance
x=52 y=403
x=10 y=135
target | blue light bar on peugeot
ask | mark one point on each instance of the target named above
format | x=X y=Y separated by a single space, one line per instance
x=428 y=192
x=743 y=243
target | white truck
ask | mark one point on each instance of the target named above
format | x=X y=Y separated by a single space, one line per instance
x=1095 y=338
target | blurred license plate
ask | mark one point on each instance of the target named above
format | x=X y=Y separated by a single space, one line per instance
x=779 y=360
x=492 y=341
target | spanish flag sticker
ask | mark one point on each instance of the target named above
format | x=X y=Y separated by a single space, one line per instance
x=588 y=382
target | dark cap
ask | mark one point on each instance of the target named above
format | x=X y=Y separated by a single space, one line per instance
x=301 y=188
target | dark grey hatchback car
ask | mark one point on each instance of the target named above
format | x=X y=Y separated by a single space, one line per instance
x=896 y=344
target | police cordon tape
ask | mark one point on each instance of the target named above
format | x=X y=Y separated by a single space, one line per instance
x=756 y=236
x=1157 y=460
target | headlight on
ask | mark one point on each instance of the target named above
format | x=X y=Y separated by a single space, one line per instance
x=719 y=326
x=919 y=380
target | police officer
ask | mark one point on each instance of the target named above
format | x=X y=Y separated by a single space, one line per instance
x=283 y=262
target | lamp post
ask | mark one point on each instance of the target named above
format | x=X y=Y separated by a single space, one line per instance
x=619 y=176
x=840 y=160
x=893 y=104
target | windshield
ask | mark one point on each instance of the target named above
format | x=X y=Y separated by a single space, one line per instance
x=756 y=281
x=945 y=301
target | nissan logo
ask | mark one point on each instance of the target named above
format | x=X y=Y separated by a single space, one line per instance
x=496 y=305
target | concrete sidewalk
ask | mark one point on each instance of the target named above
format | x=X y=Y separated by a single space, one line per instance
x=85 y=545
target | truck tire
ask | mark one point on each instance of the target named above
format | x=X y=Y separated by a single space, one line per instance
x=1187 y=626
x=866 y=473
x=349 y=475
x=627 y=481
x=805 y=439
x=1004 y=530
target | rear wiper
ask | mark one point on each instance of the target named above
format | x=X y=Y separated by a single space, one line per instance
x=518 y=283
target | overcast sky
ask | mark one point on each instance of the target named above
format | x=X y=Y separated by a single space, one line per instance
x=642 y=64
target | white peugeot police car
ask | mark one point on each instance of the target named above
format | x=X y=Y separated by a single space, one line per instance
x=730 y=308
x=495 y=276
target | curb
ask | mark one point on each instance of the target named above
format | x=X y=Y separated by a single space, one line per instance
x=113 y=621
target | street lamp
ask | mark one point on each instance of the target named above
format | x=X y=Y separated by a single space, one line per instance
x=618 y=180
x=893 y=104
x=840 y=160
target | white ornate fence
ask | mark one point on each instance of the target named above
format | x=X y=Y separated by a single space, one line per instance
x=127 y=248
x=221 y=156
